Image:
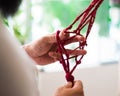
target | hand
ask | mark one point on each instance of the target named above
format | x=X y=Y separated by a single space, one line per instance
x=69 y=90
x=43 y=50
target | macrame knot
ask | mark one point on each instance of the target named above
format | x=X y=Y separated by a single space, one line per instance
x=85 y=18
x=84 y=43
x=69 y=77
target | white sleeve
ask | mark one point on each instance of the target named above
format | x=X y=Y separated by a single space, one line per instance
x=16 y=68
x=119 y=79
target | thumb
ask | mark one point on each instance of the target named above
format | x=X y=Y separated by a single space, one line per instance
x=68 y=85
x=78 y=84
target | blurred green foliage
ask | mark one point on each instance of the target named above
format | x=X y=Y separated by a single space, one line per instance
x=22 y=38
x=66 y=13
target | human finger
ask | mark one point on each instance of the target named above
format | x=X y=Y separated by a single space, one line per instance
x=68 y=85
x=76 y=52
x=73 y=39
x=56 y=56
x=51 y=38
x=78 y=85
x=63 y=35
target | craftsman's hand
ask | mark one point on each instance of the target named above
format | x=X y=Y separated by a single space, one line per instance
x=69 y=90
x=43 y=50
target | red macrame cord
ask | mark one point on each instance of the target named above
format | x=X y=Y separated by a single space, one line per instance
x=87 y=17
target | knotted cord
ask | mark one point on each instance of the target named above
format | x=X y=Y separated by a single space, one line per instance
x=85 y=18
